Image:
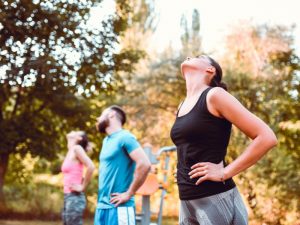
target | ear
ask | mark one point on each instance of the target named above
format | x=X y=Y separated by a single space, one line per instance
x=211 y=70
x=79 y=138
x=111 y=113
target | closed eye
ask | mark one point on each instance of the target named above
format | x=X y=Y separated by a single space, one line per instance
x=200 y=56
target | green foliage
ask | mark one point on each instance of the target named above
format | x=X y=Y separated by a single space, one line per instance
x=52 y=66
x=156 y=91
x=33 y=189
x=190 y=37
x=26 y=196
x=41 y=85
x=271 y=187
x=44 y=94
x=274 y=97
x=46 y=201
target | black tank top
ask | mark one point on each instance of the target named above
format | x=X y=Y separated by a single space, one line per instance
x=200 y=137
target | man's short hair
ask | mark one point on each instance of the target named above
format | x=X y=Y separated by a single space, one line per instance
x=120 y=113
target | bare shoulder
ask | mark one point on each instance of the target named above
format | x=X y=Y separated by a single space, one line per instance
x=78 y=150
x=217 y=94
x=219 y=100
x=82 y=156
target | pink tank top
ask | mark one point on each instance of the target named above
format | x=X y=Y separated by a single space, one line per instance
x=72 y=172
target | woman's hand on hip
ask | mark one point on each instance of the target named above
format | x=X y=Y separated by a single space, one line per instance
x=77 y=188
x=207 y=171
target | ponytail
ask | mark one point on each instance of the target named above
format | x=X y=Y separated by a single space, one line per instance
x=215 y=83
x=216 y=80
x=84 y=141
x=223 y=85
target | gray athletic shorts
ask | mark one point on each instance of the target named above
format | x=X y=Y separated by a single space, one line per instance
x=226 y=208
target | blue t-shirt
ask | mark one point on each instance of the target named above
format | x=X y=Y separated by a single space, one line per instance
x=116 y=167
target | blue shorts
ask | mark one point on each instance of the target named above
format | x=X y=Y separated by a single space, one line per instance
x=115 y=216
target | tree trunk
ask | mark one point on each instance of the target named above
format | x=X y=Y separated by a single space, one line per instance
x=4 y=157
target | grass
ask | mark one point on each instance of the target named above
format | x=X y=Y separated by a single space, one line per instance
x=86 y=222
x=36 y=222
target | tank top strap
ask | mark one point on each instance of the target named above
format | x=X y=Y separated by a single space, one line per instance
x=203 y=108
x=206 y=91
x=202 y=101
x=179 y=107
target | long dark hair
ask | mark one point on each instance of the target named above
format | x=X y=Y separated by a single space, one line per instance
x=84 y=140
x=217 y=79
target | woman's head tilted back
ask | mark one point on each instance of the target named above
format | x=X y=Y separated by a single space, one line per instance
x=204 y=65
x=79 y=138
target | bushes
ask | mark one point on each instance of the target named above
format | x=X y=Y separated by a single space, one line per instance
x=33 y=201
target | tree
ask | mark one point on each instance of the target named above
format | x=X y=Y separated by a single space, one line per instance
x=261 y=70
x=51 y=63
x=190 y=37
x=157 y=88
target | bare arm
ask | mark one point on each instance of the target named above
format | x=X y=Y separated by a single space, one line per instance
x=222 y=104
x=142 y=168
x=87 y=162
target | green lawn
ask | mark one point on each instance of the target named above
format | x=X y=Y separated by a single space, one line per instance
x=86 y=222
x=36 y=222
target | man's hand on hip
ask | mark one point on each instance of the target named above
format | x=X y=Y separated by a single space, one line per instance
x=119 y=198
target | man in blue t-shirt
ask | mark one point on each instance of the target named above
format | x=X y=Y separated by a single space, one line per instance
x=123 y=169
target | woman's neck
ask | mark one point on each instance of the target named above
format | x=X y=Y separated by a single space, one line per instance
x=194 y=85
x=71 y=144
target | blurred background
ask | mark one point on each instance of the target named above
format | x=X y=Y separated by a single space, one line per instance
x=63 y=61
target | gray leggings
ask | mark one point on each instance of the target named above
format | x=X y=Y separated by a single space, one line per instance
x=226 y=208
x=74 y=204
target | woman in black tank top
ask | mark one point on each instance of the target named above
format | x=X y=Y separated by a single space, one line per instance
x=201 y=133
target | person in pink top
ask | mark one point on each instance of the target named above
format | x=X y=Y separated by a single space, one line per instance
x=74 y=181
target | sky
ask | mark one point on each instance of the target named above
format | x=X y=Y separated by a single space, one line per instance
x=216 y=19
x=217 y=16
